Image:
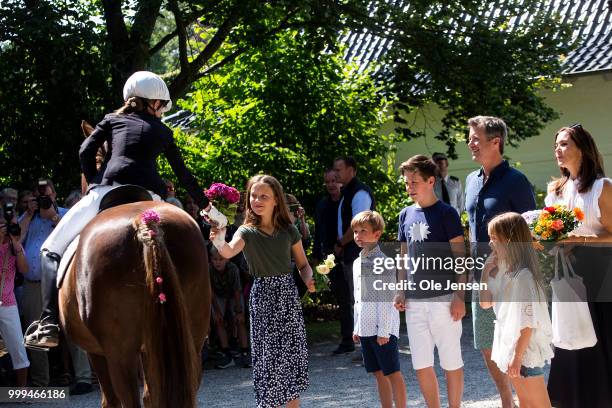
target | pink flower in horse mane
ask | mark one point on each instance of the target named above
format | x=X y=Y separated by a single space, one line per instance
x=159 y=280
x=162 y=298
x=150 y=217
x=218 y=191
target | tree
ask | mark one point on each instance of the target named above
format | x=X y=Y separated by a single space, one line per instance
x=52 y=74
x=285 y=110
x=475 y=58
x=61 y=62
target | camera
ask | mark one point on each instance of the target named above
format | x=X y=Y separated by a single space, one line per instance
x=44 y=201
x=9 y=213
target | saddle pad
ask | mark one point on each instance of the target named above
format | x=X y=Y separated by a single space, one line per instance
x=68 y=255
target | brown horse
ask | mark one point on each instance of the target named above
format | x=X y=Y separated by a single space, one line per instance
x=109 y=304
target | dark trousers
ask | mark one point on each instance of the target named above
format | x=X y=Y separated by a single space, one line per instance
x=340 y=290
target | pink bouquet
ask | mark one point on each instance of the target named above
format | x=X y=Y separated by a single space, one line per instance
x=224 y=198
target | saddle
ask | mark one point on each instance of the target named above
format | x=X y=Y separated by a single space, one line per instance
x=124 y=194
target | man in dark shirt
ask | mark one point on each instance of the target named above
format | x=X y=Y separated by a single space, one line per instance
x=326 y=221
x=356 y=197
x=493 y=189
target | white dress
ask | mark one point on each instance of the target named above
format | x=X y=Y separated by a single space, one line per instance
x=520 y=303
x=588 y=202
x=583 y=378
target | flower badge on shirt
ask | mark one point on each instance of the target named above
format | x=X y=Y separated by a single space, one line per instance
x=419 y=232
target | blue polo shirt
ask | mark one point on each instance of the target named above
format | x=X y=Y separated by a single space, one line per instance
x=507 y=189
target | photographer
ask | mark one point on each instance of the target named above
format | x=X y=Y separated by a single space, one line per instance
x=12 y=260
x=37 y=223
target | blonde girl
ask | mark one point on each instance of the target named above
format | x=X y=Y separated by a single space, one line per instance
x=523 y=330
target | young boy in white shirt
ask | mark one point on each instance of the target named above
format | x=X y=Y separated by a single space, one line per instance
x=376 y=319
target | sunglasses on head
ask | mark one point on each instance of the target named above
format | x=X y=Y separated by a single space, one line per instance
x=576 y=126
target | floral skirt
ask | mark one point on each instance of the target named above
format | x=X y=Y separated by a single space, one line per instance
x=278 y=341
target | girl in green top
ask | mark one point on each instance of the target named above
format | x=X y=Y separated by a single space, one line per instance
x=278 y=337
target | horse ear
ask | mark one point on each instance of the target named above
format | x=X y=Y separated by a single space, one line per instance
x=86 y=128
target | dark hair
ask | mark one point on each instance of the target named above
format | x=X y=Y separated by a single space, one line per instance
x=328 y=170
x=349 y=161
x=420 y=164
x=492 y=126
x=133 y=104
x=591 y=166
x=280 y=216
x=49 y=183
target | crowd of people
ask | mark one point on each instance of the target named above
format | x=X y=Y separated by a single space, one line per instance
x=510 y=311
x=258 y=265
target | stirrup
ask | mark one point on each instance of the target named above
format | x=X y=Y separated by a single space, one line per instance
x=41 y=336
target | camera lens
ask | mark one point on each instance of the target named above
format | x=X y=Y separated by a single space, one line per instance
x=13 y=229
x=44 y=202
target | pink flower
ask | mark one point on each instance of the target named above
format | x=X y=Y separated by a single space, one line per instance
x=150 y=217
x=557 y=225
x=219 y=191
x=159 y=280
x=162 y=298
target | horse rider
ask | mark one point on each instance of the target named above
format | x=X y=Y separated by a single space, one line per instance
x=136 y=136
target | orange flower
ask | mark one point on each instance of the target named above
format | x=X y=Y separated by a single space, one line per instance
x=579 y=214
x=557 y=225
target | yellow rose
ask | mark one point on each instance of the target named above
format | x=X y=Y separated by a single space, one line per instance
x=330 y=263
x=323 y=269
x=330 y=257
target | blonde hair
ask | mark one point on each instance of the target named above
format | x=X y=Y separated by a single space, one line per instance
x=512 y=228
x=371 y=218
x=280 y=216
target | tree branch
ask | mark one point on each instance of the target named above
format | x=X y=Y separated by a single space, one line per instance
x=282 y=26
x=221 y=63
x=182 y=34
x=186 y=76
x=144 y=21
x=162 y=43
x=115 y=25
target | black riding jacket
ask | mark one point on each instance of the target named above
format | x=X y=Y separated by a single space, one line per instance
x=135 y=140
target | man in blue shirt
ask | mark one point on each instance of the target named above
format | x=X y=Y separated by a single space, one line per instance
x=494 y=189
x=36 y=225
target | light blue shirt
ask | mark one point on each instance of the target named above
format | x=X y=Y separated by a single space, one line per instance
x=38 y=231
x=361 y=202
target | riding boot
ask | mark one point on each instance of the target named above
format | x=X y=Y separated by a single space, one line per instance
x=45 y=332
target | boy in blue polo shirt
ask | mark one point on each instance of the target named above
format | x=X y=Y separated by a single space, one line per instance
x=431 y=236
x=376 y=320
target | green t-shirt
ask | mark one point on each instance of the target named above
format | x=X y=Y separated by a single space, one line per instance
x=268 y=255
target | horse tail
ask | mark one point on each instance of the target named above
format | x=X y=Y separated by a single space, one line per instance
x=169 y=349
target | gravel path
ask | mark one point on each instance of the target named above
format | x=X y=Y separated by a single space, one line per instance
x=335 y=381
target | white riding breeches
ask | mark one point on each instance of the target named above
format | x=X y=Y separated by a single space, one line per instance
x=73 y=222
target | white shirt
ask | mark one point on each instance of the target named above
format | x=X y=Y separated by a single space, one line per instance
x=361 y=202
x=520 y=303
x=377 y=318
x=455 y=192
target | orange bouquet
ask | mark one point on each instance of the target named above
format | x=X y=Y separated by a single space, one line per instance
x=554 y=222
